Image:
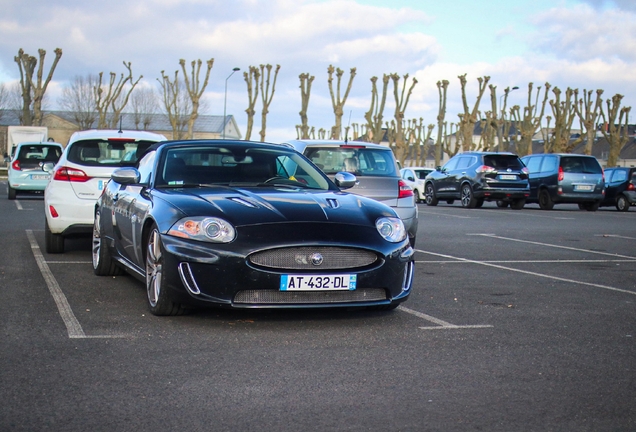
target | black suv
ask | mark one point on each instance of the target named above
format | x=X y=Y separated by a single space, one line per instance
x=475 y=177
x=565 y=178
x=620 y=188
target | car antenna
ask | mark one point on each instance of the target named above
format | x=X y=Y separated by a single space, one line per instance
x=347 y=129
x=120 y=120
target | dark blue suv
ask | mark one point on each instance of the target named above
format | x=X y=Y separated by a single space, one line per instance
x=475 y=177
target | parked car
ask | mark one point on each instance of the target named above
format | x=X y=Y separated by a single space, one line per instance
x=565 y=178
x=475 y=177
x=376 y=171
x=247 y=225
x=79 y=177
x=414 y=177
x=25 y=173
x=620 y=188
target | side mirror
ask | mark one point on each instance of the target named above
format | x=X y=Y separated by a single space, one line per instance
x=126 y=176
x=345 y=180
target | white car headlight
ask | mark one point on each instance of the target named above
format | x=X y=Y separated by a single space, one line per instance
x=208 y=229
x=391 y=229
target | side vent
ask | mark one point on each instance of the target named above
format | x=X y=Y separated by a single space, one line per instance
x=333 y=203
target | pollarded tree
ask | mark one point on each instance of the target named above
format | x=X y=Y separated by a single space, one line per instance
x=78 y=98
x=616 y=127
x=337 y=101
x=468 y=119
x=33 y=91
x=176 y=104
x=528 y=123
x=266 y=96
x=112 y=98
x=195 y=89
x=253 y=81
x=375 y=115
x=504 y=123
x=442 y=88
x=588 y=111
x=401 y=102
x=305 y=92
x=564 y=114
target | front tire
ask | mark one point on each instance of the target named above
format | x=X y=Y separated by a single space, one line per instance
x=545 y=201
x=53 y=243
x=429 y=195
x=622 y=204
x=159 y=301
x=103 y=264
x=468 y=199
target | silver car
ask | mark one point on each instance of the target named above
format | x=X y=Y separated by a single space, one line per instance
x=376 y=171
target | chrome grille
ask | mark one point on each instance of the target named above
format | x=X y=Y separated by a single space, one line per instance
x=309 y=297
x=300 y=258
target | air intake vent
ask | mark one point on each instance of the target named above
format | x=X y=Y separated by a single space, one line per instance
x=265 y=297
x=314 y=258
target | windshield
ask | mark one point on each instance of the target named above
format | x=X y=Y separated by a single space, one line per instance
x=39 y=153
x=120 y=152
x=360 y=161
x=237 y=166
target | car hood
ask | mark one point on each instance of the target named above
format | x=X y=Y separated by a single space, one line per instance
x=248 y=206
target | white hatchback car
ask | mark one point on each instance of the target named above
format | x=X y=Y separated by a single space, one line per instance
x=79 y=178
x=414 y=177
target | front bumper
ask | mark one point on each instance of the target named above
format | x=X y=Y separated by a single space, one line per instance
x=199 y=275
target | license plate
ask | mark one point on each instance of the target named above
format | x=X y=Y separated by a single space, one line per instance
x=318 y=282
x=39 y=176
x=584 y=188
x=508 y=177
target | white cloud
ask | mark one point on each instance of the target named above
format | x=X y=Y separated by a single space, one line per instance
x=582 y=33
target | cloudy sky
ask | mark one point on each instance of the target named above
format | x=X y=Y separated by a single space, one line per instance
x=585 y=44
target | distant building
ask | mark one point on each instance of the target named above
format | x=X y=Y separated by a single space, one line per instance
x=62 y=124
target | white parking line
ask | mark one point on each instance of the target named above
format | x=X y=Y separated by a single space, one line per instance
x=73 y=326
x=18 y=205
x=441 y=325
x=443 y=214
x=529 y=272
x=556 y=246
x=615 y=236
x=558 y=261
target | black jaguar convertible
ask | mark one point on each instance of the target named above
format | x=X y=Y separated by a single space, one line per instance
x=248 y=225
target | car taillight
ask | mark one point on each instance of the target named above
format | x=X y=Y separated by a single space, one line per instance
x=561 y=175
x=53 y=212
x=630 y=187
x=70 y=174
x=486 y=169
x=16 y=165
x=404 y=190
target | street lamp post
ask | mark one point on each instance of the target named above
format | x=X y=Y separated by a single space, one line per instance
x=225 y=98
x=500 y=130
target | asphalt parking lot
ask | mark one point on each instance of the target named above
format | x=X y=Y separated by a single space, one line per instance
x=519 y=321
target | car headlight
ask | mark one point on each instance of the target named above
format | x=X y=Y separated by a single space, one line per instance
x=391 y=229
x=208 y=229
